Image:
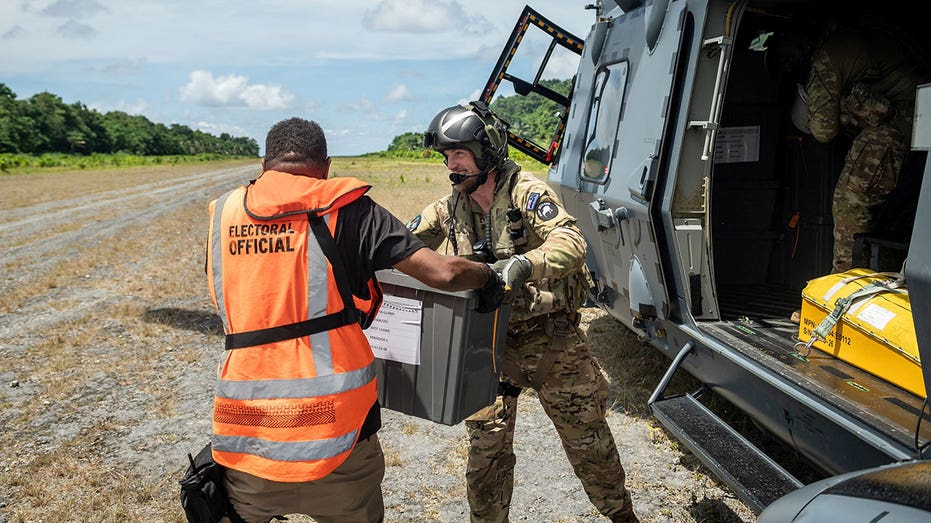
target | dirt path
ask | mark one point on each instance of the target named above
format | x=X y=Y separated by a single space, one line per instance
x=108 y=346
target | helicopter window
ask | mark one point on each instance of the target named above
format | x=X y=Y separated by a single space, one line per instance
x=607 y=99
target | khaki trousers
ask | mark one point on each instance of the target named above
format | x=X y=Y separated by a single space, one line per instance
x=349 y=494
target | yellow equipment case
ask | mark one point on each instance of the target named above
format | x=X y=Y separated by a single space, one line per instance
x=874 y=333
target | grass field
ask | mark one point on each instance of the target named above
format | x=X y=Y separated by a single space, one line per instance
x=108 y=345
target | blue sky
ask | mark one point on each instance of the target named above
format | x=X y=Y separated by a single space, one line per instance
x=366 y=70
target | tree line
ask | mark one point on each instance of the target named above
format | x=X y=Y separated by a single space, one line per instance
x=44 y=124
x=532 y=117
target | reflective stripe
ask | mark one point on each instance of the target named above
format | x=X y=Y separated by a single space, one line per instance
x=216 y=250
x=298 y=388
x=285 y=451
x=316 y=278
x=317 y=299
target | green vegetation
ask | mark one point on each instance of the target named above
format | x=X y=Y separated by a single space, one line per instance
x=532 y=116
x=43 y=124
x=426 y=155
x=18 y=163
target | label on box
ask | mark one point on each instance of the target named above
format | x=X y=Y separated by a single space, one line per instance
x=395 y=333
x=876 y=316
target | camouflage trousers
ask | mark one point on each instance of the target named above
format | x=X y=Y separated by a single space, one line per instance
x=574 y=396
x=870 y=172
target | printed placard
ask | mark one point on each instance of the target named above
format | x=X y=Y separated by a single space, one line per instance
x=876 y=316
x=395 y=333
x=737 y=144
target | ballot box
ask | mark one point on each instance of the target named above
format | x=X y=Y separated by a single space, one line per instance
x=436 y=358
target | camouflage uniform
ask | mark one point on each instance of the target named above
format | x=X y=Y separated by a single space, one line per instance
x=574 y=391
x=864 y=81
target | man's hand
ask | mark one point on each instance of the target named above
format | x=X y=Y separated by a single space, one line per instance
x=515 y=271
x=492 y=294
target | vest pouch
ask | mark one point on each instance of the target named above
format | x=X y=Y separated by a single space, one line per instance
x=547 y=296
x=203 y=496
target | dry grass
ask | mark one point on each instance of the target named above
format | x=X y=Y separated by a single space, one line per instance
x=73 y=485
x=108 y=352
x=126 y=337
x=403 y=188
x=23 y=190
x=633 y=367
x=133 y=321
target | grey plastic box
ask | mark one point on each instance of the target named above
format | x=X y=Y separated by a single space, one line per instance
x=460 y=353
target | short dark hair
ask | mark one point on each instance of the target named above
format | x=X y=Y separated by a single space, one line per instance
x=295 y=140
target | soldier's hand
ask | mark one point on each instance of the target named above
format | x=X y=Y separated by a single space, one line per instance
x=514 y=271
x=492 y=294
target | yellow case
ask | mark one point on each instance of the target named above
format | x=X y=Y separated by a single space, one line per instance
x=876 y=333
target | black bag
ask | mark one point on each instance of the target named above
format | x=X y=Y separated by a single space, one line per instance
x=202 y=494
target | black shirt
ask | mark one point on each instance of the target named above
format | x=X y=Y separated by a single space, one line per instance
x=370 y=239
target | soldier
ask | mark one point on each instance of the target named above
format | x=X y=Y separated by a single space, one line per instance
x=863 y=79
x=500 y=215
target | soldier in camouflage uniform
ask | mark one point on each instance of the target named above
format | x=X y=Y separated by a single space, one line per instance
x=863 y=80
x=496 y=212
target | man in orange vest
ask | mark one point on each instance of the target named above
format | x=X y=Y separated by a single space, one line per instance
x=290 y=265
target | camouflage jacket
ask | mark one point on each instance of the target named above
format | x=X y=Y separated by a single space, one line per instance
x=862 y=76
x=554 y=245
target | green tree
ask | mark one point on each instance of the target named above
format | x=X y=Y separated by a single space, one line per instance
x=533 y=116
x=45 y=124
x=131 y=134
x=407 y=142
x=51 y=117
x=8 y=113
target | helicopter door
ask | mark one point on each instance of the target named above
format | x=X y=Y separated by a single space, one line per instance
x=561 y=47
x=615 y=152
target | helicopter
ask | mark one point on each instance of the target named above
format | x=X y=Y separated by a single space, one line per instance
x=708 y=216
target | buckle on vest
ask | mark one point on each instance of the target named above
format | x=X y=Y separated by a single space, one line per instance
x=558 y=325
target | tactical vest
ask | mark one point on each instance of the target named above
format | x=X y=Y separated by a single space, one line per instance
x=538 y=297
x=298 y=379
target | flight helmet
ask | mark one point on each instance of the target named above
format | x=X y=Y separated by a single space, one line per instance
x=474 y=127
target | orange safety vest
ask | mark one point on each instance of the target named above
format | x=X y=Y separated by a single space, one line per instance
x=298 y=379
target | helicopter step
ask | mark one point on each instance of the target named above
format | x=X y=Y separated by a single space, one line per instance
x=755 y=478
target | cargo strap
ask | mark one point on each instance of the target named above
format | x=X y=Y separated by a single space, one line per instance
x=843 y=304
x=559 y=326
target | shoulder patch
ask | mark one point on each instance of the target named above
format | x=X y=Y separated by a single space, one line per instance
x=547 y=211
x=532 y=201
x=414 y=223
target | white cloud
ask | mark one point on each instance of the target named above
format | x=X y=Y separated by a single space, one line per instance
x=73 y=8
x=267 y=97
x=422 y=16
x=233 y=90
x=473 y=96
x=401 y=116
x=218 y=129
x=14 y=32
x=137 y=107
x=75 y=29
x=561 y=65
x=398 y=93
